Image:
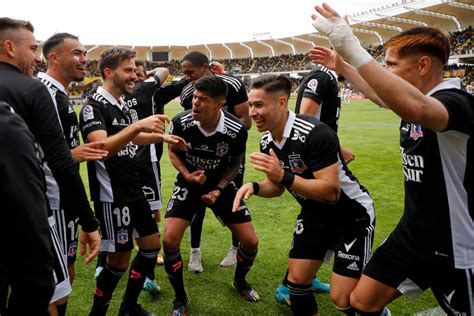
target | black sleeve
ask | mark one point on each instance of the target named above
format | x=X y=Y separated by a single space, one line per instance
x=168 y=92
x=24 y=224
x=321 y=148
x=47 y=131
x=235 y=95
x=460 y=107
x=316 y=87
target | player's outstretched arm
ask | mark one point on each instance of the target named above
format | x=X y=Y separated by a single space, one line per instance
x=332 y=60
x=399 y=95
x=89 y=151
x=114 y=143
x=93 y=239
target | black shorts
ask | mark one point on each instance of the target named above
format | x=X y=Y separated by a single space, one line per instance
x=392 y=264
x=61 y=275
x=186 y=202
x=67 y=229
x=351 y=244
x=121 y=222
x=151 y=182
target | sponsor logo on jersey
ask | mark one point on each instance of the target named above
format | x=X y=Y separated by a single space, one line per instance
x=347 y=256
x=122 y=236
x=114 y=122
x=415 y=131
x=413 y=166
x=353 y=266
x=132 y=102
x=312 y=85
x=202 y=163
x=130 y=150
x=296 y=164
x=222 y=149
x=88 y=113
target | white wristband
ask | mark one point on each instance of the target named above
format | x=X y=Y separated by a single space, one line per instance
x=342 y=40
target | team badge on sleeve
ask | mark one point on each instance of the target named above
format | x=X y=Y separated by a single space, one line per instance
x=312 y=85
x=88 y=113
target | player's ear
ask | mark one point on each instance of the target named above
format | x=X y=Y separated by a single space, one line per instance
x=424 y=64
x=221 y=102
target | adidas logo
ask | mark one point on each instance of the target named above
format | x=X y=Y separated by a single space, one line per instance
x=114 y=122
x=353 y=266
x=247 y=213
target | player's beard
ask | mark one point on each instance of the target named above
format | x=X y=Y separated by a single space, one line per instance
x=123 y=85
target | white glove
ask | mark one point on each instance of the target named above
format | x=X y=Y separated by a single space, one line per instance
x=342 y=40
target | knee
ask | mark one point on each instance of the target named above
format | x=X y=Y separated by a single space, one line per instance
x=250 y=244
x=118 y=262
x=170 y=244
x=362 y=304
x=340 y=300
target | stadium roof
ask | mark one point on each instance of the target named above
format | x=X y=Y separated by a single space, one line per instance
x=372 y=27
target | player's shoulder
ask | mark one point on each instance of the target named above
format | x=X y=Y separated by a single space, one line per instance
x=305 y=123
x=231 y=81
x=96 y=100
x=183 y=119
x=233 y=123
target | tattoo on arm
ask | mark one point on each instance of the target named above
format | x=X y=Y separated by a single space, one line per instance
x=231 y=171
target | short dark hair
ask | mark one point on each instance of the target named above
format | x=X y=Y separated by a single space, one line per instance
x=113 y=56
x=13 y=24
x=196 y=58
x=56 y=40
x=213 y=86
x=422 y=40
x=272 y=83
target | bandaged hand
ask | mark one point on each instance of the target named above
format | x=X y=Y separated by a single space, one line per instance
x=329 y=23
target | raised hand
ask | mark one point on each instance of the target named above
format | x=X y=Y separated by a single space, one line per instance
x=270 y=164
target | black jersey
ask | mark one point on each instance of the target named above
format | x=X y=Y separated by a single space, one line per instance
x=32 y=101
x=149 y=98
x=308 y=146
x=236 y=93
x=67 y=115
x=115 y=179
x=439 y=183
x=24 y=212
x=321 y=86
x=69 y=123
x=210 y=151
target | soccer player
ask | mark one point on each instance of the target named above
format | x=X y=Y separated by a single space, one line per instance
x=318 y=96
x=33 y=102
x=115 y=186
x=215 y=149
x=302 y=154
x=66 y=58
x=194 y=66
x=25 y=216
x=149 y=97
x=432 y=245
